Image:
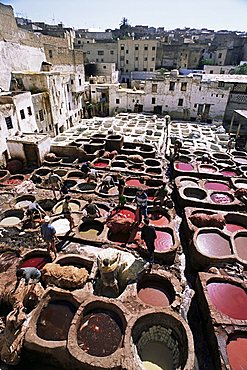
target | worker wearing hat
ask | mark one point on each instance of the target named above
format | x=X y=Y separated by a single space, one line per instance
x=48 y=233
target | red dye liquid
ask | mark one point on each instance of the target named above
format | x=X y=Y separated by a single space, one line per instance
x=221 y=198
x=13 y=182
x=157 y=219
x=151 y=197
x=124 y=213
x=234 y=227
x=184 y=166
x=38 y=262
x=133 y=182
x=213 y=244
x=237 y=353
x=240 y=160
x=207 y=169
x=216 y=186
x=229 y=299
x=163 y=242
x=100 y=164
x=154 y=296
x=241 y=247
x=229 y=173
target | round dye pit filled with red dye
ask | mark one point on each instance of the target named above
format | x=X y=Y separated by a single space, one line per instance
x=213 y=244
x=156 y=293
x=124 y=213
x=216 y=186
x=228 y=173
x=209 y=169
x=99 y=334
x=54 y=320
x=229 y=299
x=163 y=242
x=133 y=182
x=184 y=166
x=100 y=164
x=38 y=261
x=221 y=198
x=241 y=247
x=157 y=219
x=237 y=353
x=13 y=182
x=234 y=227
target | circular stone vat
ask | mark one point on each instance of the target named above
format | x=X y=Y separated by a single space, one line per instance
x=220 y=156
x=43 y=171
x=14 y=180
x=153 y=171
x=70 y=183
x=153 y=183
x=60 y=172
x=130 y=192
x=124 y=213
x=76 y=261
x=77 y=174
x=91 y=230
x=100 y=333
x=161 y=342
x=181 y=166
x=54 y=321
x=61 y=225
x=11 y=218
x=240 y=241
x=74 y=205
x=152 y=162
x=155 y=291
x=188 y=182
x=237 y=351
x=24 y=201
x=213 y=243
x=225 y=163
x=101 y=163
x=229 y=299
x=229 y=173
x=207 y=168
x=222 y=198
x=38 y=260
x=158 y=219
x=133 y=182
x=87 y=186
x=241 y=183
x=118 y=164
x=240 y=160
x=47 y=204
x=136 y=168
x=213 y=185
x=164 y=240
x=195 y=193
x=8 y=259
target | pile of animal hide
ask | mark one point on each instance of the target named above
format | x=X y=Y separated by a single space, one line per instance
x=205 y=220
x=66 y=277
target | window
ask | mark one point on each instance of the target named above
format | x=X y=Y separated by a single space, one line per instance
x=221 y=84
x=102 y=60
x=151 y=69
x=50 y=53
x=211 y=72
x=60 y=110
x=97 y=59
x=9 y=123
x=29 y=111
x=136 y=58
x=68 y=87
x=136 y=47
x=69 y=106
x=153 y=47
x=104 y=67
x=79 y=81
x=79 y=41
x=200 y=88
x=153 y=100
x=180 y=102
x=183 y=86
x=22 y=114
x=136 y=69
x=220 y=55
x=126 y=70
x=172 y=86
x=122 y=47
x=153 y=59
x=154 y=88
x=195 y=105
x=100 y=52
x=117 y=101
x=127 y=62
x=145 y=59
x=144 y=69
x=127 y=51
x=41 y=115
x=145 y=47
x=112 y=52
x=222 y=95
x=72 y=82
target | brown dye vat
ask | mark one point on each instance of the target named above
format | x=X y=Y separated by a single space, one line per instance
x=117 y=164
x=100 y=334
x=241 y=246
x=77 y=174
x=153 y=171
x=8 y=259
x=119 y=237
x=195 y=193
x=54 y=320
x=60 y=172
x=47 y=204
x=87 y=186
x=156 y=292
x=237 y=352
x=213 y=244
x=221 y=198
x=70 y=183
x=43 y=171
x=91 y=229
x=152 y=163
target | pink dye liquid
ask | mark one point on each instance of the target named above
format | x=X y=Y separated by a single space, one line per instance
x=240 y=160
x=154 y=296
x=229 y=173
x=213 y=244
x=38 y=262
x=234 y=227
x=237 y=353
x=163 y=241
x=221 y=198
x=229 y=299
x=124 y=213
x=207 y=169
x=157 y=219
x=241 y=247
x=133 y=182
x=184 y=166
x=100 y=164
x=216 y=186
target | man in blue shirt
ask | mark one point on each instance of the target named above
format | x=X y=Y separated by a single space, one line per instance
x=28 y=273
x=141 y=200
x=48 y=233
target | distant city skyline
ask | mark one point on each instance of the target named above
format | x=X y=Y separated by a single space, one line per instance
x=211 y=14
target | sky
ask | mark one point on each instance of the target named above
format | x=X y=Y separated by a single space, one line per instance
x=102 y=14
